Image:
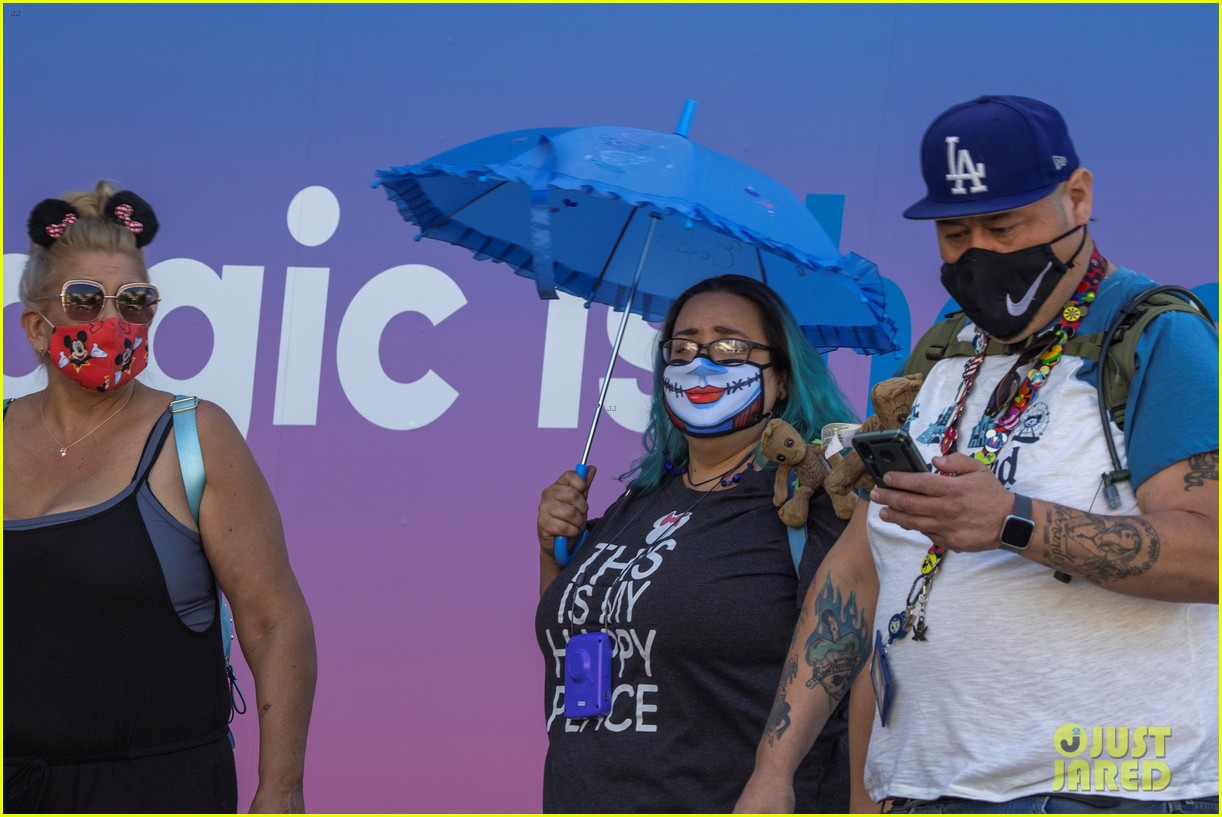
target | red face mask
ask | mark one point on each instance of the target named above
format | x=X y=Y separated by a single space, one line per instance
x=100 y=355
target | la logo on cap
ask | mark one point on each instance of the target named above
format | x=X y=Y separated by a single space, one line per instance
x=960 y=168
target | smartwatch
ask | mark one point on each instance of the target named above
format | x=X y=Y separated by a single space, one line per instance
x=1017 y=530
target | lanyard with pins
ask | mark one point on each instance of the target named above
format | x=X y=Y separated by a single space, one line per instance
x=1072 y=313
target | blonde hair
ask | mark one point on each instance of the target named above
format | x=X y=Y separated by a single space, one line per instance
x=91 y=232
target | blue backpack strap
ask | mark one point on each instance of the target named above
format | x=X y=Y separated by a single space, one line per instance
x=8 y=400
x=797 y=544
x=191 y=463
x=797 y=536
x=190 y=458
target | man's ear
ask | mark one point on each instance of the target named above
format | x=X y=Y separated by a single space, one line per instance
x=1079 y=195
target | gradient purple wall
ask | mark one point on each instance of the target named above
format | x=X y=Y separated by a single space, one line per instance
x=415 y=547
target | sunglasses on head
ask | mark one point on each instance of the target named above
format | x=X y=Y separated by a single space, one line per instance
x=82 y=301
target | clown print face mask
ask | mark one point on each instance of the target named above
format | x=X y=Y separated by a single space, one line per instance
x=706 y=399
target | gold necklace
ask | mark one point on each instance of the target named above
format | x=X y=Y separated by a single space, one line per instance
x=63 y=449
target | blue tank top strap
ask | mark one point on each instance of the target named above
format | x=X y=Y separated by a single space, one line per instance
x=152 y=447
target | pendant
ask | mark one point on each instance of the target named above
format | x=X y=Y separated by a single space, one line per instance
x=63 y=452
x=897 y=626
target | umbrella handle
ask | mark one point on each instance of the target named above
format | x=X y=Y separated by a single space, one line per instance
x=561 y=546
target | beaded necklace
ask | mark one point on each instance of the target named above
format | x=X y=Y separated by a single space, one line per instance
x=725 y=478
x=1072 y=313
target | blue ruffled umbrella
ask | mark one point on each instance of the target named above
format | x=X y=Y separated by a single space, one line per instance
x=631 y=218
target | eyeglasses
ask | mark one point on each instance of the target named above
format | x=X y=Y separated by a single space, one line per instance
x=723 y=351
x=82 y=301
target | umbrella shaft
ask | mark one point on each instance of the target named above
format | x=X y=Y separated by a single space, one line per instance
x=654 y=218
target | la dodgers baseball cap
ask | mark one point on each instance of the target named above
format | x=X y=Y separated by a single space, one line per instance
x=992 y=154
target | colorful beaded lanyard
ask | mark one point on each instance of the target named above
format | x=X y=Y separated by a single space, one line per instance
x=1072 y=313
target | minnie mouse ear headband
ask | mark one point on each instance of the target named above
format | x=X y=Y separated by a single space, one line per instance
x=50 y=217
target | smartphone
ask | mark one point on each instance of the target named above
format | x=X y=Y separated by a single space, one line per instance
x=888 y=450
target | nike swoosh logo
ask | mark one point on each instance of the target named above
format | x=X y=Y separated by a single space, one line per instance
x=1019 y=308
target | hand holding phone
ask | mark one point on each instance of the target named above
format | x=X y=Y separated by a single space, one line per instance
x=888 y=450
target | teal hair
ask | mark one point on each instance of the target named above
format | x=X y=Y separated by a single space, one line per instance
x=813 y=398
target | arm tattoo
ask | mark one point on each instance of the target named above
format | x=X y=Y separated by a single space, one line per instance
x=836 y=649
x=1201 y=467
x=778 y=720
x=1099 y=548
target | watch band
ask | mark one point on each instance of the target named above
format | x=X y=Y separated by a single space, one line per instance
x=1018 y=528
x=1022 y=507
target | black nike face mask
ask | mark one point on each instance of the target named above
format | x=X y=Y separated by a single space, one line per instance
x=1001 y=291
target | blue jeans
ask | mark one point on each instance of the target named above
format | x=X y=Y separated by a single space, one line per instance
x=1051 y=804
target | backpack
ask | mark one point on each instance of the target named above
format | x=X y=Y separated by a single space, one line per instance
x=191 y=464
x=1116 y=346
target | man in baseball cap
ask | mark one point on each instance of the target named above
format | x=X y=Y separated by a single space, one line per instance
x=992 y=154
x=1002 y=175
x=1035 y=647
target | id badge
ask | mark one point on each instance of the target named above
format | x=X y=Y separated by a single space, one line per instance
x=880 y=678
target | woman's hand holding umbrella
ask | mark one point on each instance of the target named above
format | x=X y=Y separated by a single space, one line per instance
x=562 y=512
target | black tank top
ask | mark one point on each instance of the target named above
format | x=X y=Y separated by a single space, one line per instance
x=97 y=662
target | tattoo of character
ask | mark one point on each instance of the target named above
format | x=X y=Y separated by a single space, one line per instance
x=1100 y=548
x=1201 y=467
x=835 y=650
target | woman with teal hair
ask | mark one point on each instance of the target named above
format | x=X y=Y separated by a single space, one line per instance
x=811 y=398
x=684 y=595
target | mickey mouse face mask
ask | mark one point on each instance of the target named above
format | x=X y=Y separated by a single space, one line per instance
x=101 y=354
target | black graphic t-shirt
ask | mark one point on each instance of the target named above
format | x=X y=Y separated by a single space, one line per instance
x=699 y=596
